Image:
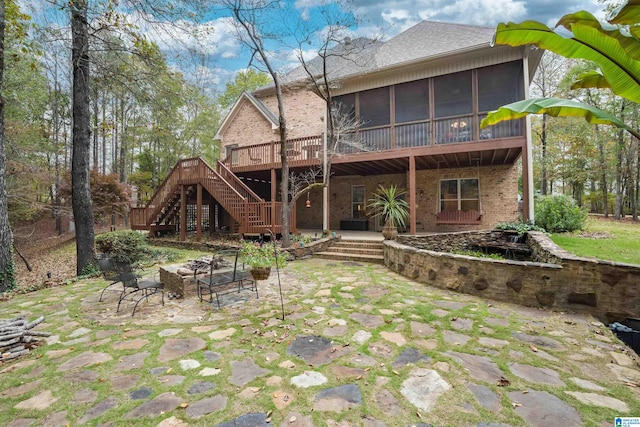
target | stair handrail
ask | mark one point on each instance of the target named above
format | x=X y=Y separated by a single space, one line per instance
x=159 y=198
x=213 y=171
x=239 y=182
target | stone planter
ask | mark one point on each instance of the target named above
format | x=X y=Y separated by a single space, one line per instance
x=260 y=273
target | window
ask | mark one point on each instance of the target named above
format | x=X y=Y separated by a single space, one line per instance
x=234 y=154
x=374 y=107
x=459 y=194
x=499 y=85
x=452 y=94
x=345 y=105
x=412 y=101
x=357 y=202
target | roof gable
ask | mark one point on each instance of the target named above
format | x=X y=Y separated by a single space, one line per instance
x=259 y=105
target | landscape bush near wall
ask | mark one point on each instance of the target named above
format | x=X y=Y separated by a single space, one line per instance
x=563 y=282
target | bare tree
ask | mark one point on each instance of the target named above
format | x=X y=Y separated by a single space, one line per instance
x=248 y=16
x=337 y=54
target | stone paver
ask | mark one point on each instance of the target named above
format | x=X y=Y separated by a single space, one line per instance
x=423 y=387
x=536 y=375
x=600 y=400
x=542 y=409
x=190 y=364
x=175 y=348
x=245 y=371
x=338 y=399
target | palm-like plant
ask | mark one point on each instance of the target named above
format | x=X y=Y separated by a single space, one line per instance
x=389 y=203
x=614 y=49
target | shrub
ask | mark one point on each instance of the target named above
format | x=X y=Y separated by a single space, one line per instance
x=520 y=227
x=558 y=214
x=257 y=255
x=126 y=246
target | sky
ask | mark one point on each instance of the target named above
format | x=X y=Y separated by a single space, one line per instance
x=216 y=56
x=386 y=19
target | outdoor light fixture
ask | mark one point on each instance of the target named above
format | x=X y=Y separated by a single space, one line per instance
x=308 y=200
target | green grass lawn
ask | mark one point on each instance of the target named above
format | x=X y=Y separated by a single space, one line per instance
x=613 y=241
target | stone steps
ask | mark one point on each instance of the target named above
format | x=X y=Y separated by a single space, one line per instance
x=354 y=250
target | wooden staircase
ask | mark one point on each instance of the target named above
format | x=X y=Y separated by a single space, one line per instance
x=252 y=213
x=354 y=250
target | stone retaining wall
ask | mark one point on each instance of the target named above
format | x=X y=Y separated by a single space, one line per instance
x=610 y=291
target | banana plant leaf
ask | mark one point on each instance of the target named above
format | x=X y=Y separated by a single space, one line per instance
x=627 y=14
x=608 y=47
x=557 y=108
x=591 y=79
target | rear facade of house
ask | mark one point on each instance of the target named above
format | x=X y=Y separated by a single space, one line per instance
x=419 y=100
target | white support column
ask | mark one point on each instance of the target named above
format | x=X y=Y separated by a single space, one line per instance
x=527 y=169
x=325 y=177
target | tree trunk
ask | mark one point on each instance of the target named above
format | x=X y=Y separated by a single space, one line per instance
x=7 y=267
x=81 y=190
x=619 y=159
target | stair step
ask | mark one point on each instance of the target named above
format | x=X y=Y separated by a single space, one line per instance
x=358 y=245
x=338 y=256
x=357 y=251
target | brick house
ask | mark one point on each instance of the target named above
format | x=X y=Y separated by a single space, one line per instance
x=419 y=98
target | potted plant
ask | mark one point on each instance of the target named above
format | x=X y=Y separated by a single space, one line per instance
x=261 y=258
x=389 y=203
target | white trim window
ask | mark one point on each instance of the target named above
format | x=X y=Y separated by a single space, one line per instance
x=358 y=202
x=459 y=195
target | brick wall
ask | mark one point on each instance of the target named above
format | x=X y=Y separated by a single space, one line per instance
x=498 y=194
x=304 y=114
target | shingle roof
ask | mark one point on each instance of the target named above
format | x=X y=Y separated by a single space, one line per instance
x=422 y=41
x=428 y=39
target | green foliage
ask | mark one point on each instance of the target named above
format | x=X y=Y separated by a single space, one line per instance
x=389 y=203
x=90 y=270
x=257 y=255
x=124 y=246
x=476 y=254
x=519 y=226
x=8 y=276
x=301 y=238
x=244 y=81
x=615 y=52
x=595 y=202
x=559 y=213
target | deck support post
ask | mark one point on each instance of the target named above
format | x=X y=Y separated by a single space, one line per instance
x=412 y=195
x=199 y=212
x=183 y=213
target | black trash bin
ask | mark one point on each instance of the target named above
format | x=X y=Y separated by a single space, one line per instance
x=627 y=334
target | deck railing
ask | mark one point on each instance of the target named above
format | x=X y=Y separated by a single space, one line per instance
x=300 y=152
x=247 y=208
x=308 y=151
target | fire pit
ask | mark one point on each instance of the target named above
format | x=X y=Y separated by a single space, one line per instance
x=178 y=277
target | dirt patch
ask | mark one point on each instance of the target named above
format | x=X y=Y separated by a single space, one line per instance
x=51 y=256
x=595 y=235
